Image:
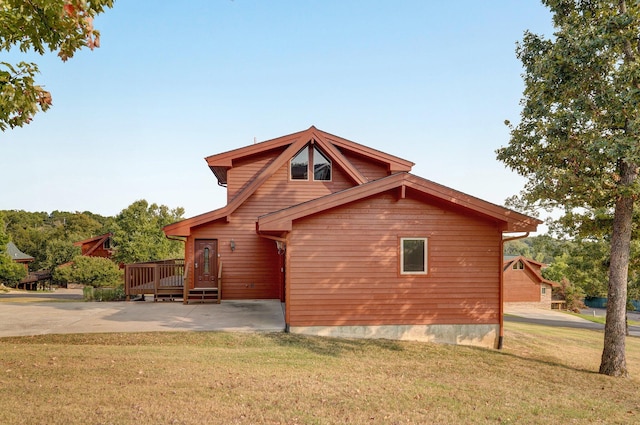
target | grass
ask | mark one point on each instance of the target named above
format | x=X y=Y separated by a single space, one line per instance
x=543 y=375
x=600 y=319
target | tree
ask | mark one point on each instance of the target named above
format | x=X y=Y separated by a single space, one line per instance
x=577 y=142
x=10 y=271
x=49 y=237
x=138 y=235
x=92 y=271
x=62 y=26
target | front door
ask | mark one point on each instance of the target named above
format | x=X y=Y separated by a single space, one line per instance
x=206 y=263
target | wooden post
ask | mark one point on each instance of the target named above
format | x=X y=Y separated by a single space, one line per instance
x=127 y=285
x=185 y=285
x=156 y=281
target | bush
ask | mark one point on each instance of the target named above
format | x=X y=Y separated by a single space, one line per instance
x=90 y=271
x=11 y=273
x=572 y=294
x=104 y=294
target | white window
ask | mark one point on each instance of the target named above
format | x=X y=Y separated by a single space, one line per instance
x=413 y=255
x=544 y=290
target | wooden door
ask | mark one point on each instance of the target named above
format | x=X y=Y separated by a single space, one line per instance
x=206 y=263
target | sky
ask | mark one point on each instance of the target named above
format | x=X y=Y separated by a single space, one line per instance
x=173 y=82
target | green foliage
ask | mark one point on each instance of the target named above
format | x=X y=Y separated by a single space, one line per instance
x=138 y=234
x=20 y=97
x=10 y=272
x=572 y=294
x=90 y=293
x=62 y=26
x=49 y=238
x=91 y=271
x=580 y=107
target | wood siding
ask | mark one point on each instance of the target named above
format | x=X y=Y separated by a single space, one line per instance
x=522 y=286
x=252 y=271
x=245 y=170
x=371 y=170
x=344 y=268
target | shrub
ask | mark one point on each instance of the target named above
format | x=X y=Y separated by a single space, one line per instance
x=104 y=294
x=572 y=294
x=90 y=271
x=11 y=272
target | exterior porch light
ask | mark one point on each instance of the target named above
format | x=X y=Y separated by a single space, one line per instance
x=232 y=245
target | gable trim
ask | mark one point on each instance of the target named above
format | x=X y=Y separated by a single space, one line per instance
x=283 y=220
x=220 y=163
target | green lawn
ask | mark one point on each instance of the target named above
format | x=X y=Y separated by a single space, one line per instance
x=543 y=375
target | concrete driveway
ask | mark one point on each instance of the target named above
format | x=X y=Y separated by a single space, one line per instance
x=21 y=315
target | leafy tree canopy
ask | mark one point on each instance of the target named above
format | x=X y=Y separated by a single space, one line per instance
x=138 y=235
x=62 y=26
x=92 y=271
x=10 y=271
x=49 y=237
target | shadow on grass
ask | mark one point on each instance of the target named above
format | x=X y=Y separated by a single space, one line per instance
x=328 y=346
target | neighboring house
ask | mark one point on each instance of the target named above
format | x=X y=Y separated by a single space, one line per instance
x=19 y=256
x=98 y=246
x=524 y=284
x=33 y=279
x=351 y=242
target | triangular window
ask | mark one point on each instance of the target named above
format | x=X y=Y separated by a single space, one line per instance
x=310 y=157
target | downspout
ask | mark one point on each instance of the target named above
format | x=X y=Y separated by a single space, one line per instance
x=501 y=337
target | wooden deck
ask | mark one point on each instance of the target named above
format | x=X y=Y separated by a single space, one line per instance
x=162 y=279
x=35 y=279
x=165 y=280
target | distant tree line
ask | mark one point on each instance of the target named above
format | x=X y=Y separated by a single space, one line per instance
x=49 y=238
x=582 y=263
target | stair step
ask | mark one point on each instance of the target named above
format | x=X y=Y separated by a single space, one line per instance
x=203 y=295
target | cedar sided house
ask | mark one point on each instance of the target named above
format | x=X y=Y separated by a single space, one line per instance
x=524 y=284
x=351 y=242
x=98 y=246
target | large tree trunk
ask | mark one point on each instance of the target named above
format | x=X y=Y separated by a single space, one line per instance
x=614 y=361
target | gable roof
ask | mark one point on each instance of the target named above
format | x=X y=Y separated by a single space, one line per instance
x=16 y=254
x=532 y=266
x=512 y=221
x=96 y=242
x=331 y=144
x=292 y=144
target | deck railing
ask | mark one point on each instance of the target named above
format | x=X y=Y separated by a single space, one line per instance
x=157 y=278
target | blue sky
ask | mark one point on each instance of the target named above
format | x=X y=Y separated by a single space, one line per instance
x=174 y=82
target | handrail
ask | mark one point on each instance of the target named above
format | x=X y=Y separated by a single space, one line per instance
x=153 y=278
x=219 y=281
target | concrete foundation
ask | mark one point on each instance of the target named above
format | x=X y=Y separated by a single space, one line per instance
x=476 y=335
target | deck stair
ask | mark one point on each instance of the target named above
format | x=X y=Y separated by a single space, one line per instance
x=203 y=295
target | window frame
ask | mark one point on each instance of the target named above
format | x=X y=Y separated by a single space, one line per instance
x=310 y=149
x=291 y=178
x=403 y=272
x=312 y=156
